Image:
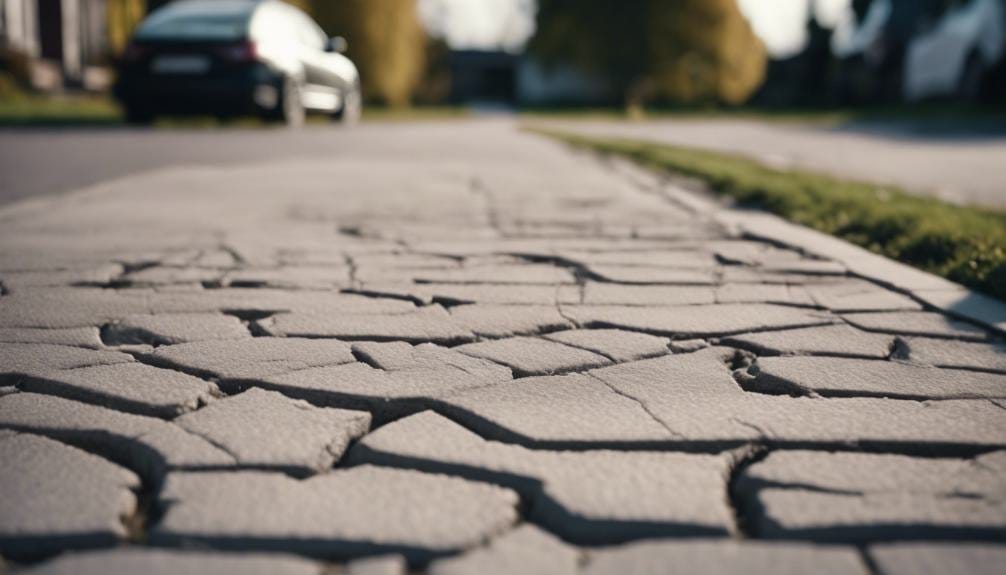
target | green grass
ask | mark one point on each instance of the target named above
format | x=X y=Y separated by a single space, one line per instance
x=21 y=108
x=923 y=113
x=55 y=111
x=414 y=113
x=827 y=117
x=963 y=244
x=29 y=110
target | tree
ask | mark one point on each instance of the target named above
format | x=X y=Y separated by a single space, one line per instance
x=681 y=50
x=386 y=41
x=122 y=17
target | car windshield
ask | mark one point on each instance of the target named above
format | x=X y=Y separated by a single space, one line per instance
x=203 y=24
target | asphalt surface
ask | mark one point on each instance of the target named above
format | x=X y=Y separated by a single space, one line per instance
x=38 y=162
x=962 y=163
x=460 y=348
x=959 y=163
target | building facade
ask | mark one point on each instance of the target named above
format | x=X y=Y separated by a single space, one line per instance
x=65 y=42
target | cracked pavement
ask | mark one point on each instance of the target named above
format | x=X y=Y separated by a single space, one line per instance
x=460 y=348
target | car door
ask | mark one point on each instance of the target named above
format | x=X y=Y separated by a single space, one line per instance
x=327 y=75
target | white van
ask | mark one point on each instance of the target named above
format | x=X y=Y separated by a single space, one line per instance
x=952 y=52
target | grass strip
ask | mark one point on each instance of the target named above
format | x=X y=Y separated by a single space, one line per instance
x=964 y=244
x=58 y=111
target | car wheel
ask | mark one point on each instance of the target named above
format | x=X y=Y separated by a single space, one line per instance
x=352 y=107
x=290 y=107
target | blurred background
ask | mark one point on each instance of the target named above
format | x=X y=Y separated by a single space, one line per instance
x=879 y=121
x=632 y=54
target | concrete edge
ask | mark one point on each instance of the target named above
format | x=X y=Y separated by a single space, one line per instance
x=931 y=290
x=928 y=289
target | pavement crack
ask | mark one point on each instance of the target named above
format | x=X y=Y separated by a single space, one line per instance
x=215 y=443
x=642 y=404
x=478 y=187
x=597 y=352
x=353 y=270
x=365 y=358
x=235 y=255
x=762 y=435
x=869 y=564
x=739 y=460
x=374 y=294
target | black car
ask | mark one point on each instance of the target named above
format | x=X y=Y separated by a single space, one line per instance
x=234 y=57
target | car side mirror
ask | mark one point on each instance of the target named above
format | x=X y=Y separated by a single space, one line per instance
x=337 y=44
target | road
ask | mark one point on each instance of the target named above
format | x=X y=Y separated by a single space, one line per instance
x=461 y=348
x=966 y=165
x=40 y=162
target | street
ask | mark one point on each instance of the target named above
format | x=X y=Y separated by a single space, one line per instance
x=458 y=347
x=963 y=166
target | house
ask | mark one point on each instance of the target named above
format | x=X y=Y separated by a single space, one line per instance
x=65 y=42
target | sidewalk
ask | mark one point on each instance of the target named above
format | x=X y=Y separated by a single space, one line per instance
x=469 y=350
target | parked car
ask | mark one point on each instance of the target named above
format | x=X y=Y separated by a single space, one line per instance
x=954 y=50
x=233 y=57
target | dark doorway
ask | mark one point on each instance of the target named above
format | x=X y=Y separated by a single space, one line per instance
x=50 y=28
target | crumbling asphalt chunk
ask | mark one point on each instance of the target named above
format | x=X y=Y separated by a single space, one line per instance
x=859 y=296
x=83 y=307
x=56 y=497
x=358 y=511
x=390 y=379
x=265 y=430
x=837 y=340
x=684 y=322
x=520 y=273
x=534 y=356
x=524 y=412
x=168 y=329
x=428 y=324
x=724 y=557
x=936 y=558
x=132 y=387
x=834 y=377
x=601 y=293
x=953 y=354
x=926 y=324
x=130 y=561
x=858 y=497
x=588 y=497
x=527 y=550
x=617 y=345
x=20 y=361
x=290 y=277
x=690 y=401
x=252 y=359
x=146 y=445
x=88 y=337
x=499 y=321
x=639 y=275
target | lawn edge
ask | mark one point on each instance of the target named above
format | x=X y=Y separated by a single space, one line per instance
x=929 y=289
